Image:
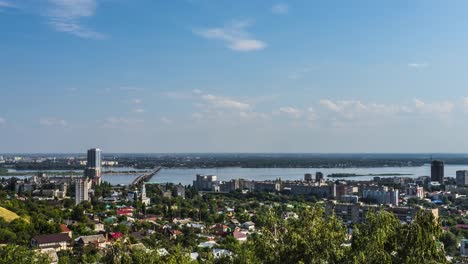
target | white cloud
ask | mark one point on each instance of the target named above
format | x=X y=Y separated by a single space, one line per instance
x=166 y=120
x=329 y=105
x=443 y=107
x=418 y=65
x=2 y=121
x=52 y=121
x=65 y=16
x=299 y=73
x=137 y=101
x=280 y=9
x=6 y=4
x=197 y=116
x=234 y=35
x=122 y=122
x=291 y=111
x=225 y=102
x=465 y=104
x=139 y=110
x=130 y=88
x=197 y=91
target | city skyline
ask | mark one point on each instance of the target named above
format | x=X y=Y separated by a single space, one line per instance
x=212 y=76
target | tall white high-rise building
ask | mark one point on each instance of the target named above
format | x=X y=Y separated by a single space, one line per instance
x=81 y=190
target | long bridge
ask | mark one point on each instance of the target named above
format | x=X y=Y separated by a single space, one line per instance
x=145 y=177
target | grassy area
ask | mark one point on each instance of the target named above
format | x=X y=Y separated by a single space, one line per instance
x=7 y=214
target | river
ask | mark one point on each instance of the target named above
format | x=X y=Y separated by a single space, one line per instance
x=186 y=176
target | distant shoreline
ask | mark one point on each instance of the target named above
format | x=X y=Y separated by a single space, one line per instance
x=346 y=175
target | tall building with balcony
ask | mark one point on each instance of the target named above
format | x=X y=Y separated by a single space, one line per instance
x=437 y=171
x=93 y=165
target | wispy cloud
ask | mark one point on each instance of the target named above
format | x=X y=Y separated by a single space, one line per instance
x=138 y=110
x=465 y=104
x=137 y=101
x=417 y=65
x=52 y=121
x=299 y=73
x=225 y=102
x=130 y=88
x=444 y=107
x=166 y=120
x=2 y=121
x=291 y=111
x=122 y=122
x=234 y=35
x=66 y=15
x=6 y=4
x=280 y=9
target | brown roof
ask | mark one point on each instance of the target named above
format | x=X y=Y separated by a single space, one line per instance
x=52 y=238
x=64 y=228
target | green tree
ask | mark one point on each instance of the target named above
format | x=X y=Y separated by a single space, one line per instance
x=21 y=255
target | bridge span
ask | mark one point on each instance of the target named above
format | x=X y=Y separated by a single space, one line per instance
x=145 y=177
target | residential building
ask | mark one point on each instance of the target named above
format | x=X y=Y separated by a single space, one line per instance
x=93 y=165
x=437 y=171
x=413 y=190
x=205 y=182
x=318 y=176
x=383 y=195
x=407 y=214
x=349 y=212
x=82 y=186
x=180 y=190
x=462 y=178
x=99 y=241
x=61 y=241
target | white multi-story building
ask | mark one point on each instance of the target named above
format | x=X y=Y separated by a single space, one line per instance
x=383 y=195
x=82 y=186
x=413 y=190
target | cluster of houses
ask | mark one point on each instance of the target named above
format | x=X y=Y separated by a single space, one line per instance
x=208 y=236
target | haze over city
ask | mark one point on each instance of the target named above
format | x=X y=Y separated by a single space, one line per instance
x=213 y=76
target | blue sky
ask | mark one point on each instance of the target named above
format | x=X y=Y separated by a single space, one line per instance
x=233 y=76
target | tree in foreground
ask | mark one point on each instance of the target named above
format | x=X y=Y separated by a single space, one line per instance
x=18 y=254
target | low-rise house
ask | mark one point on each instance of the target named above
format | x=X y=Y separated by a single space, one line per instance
x=116 y=236
x=219 y=252
x=207 y=244
x=128 y=211
x=239 y=236
x=220 y=229
x=172 y=233
x=197 y=226
x=181 y=221
x=99 y=227
x=249 y=225
x=66 y=230
x=58 y=242
x=98 y=241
